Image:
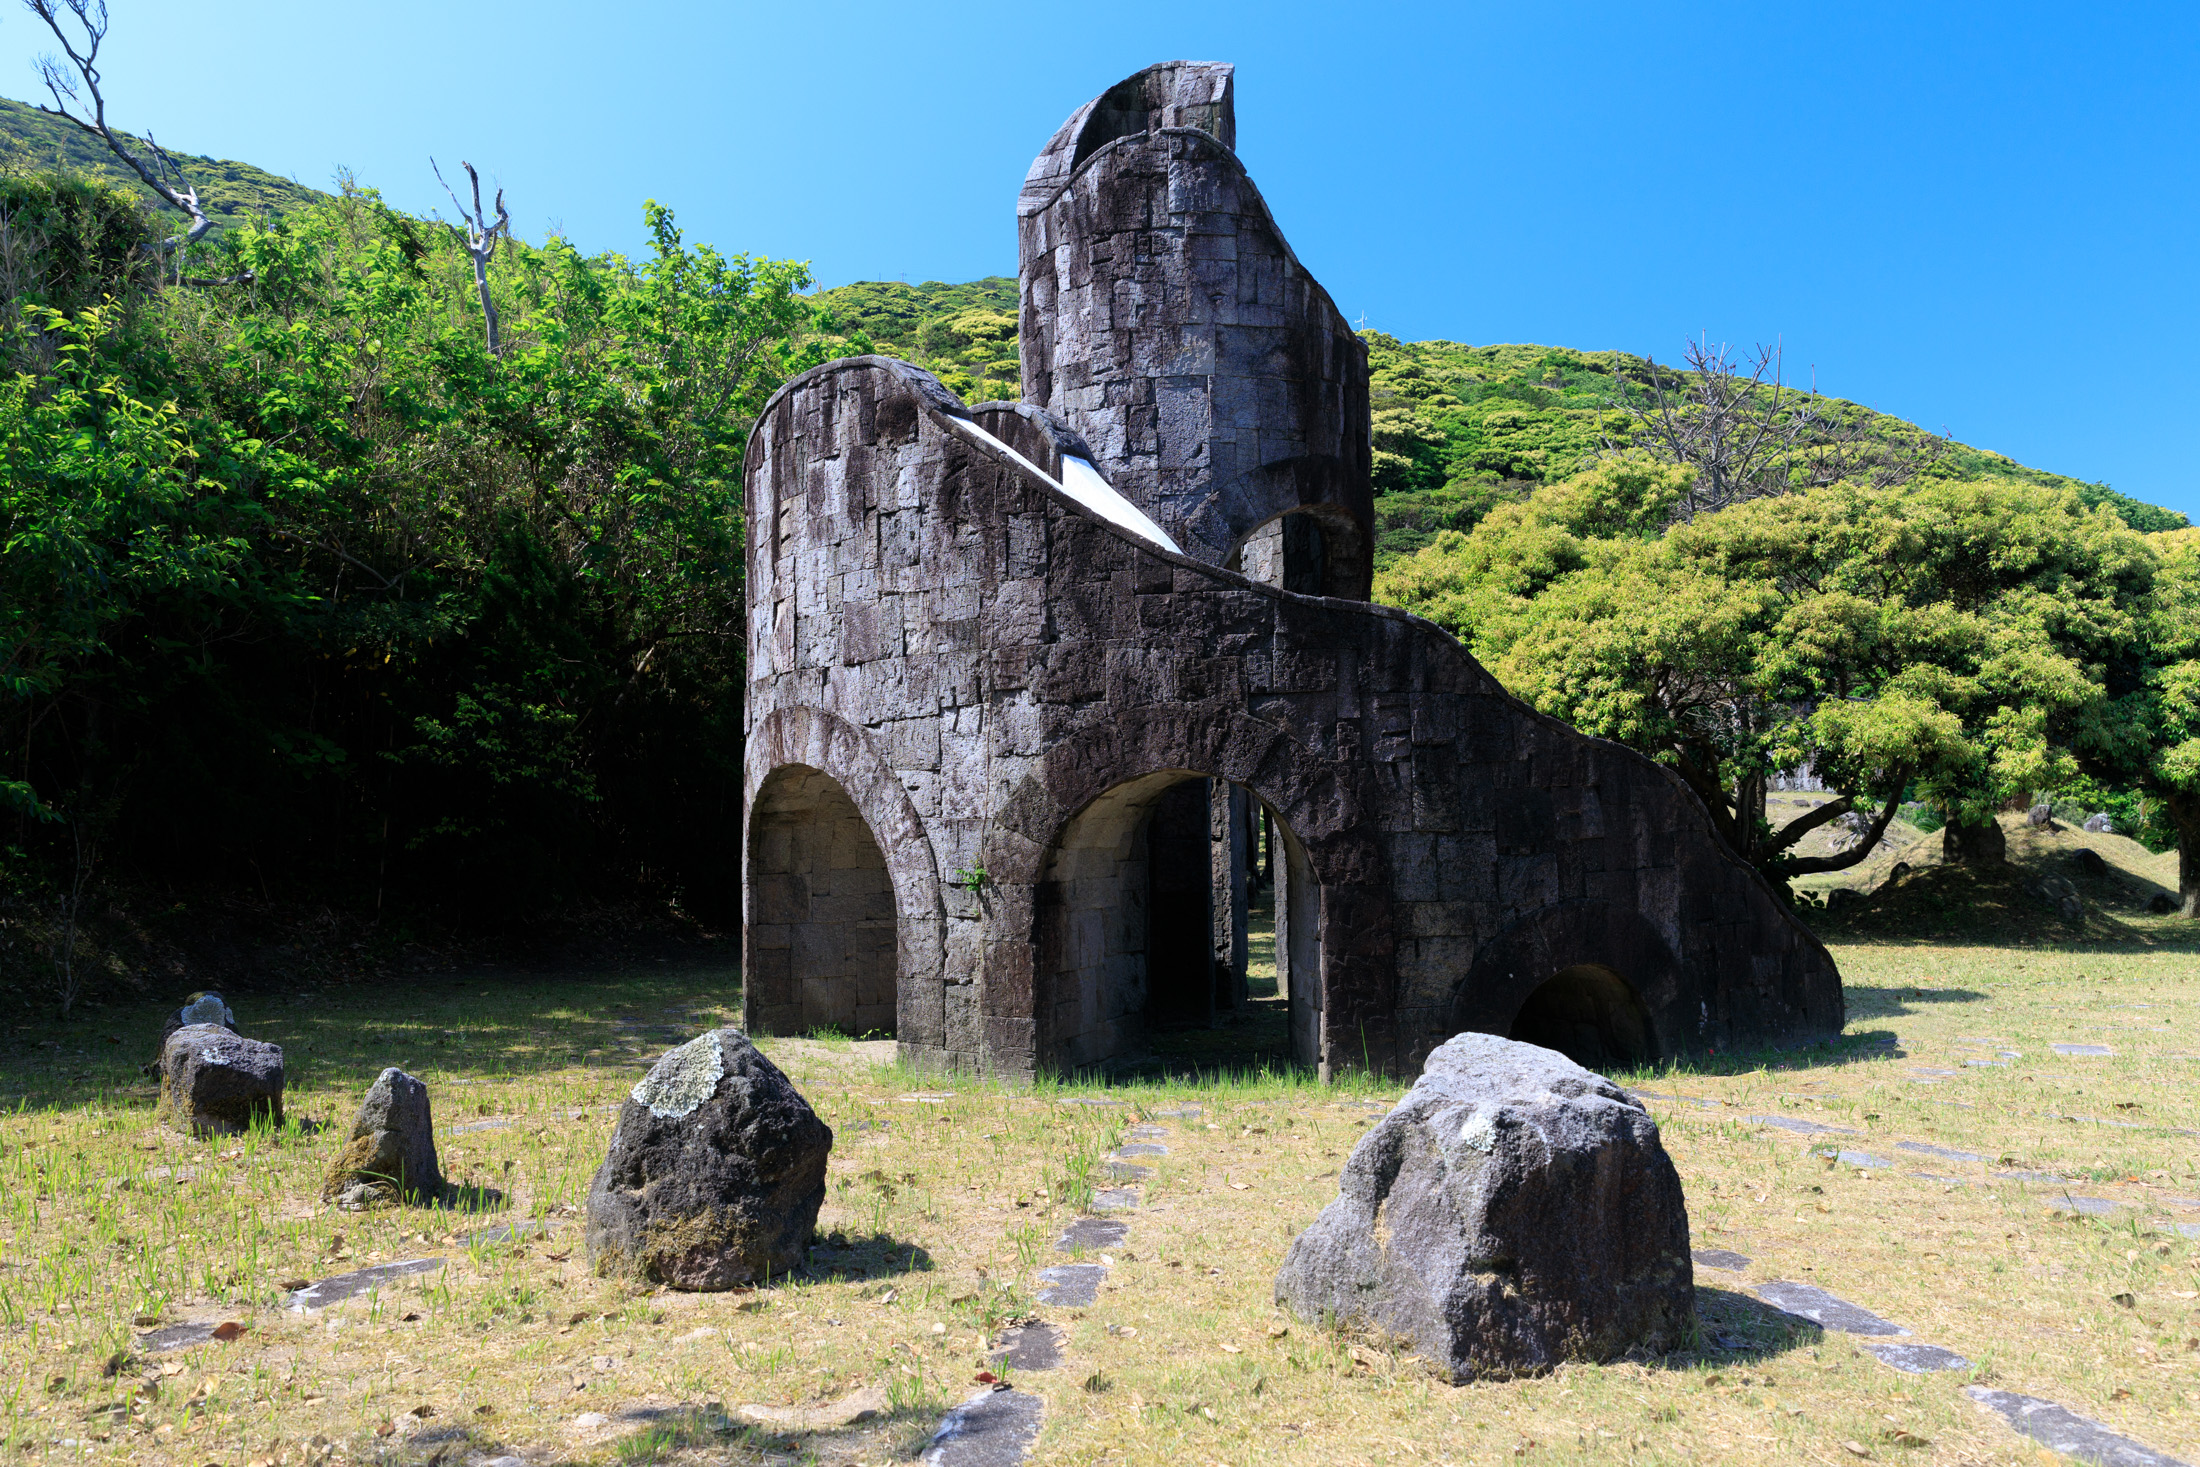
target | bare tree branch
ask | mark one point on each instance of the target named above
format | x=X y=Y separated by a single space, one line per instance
x=1747 y=434
x=1890 y=800
x=162 y=175
x=479 y=237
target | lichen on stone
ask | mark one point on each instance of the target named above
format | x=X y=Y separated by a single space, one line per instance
x=684 y=1078
x=206 y=1008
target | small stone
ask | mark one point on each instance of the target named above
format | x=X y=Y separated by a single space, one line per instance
x=1514 y=1210
x=715 y=1172
x=2081 y=1049
x=1090 y=1234
x=392 y=1147
x=2040 y=815
x=215 y=1082
x=1141 y=1148
x=1917 y=1359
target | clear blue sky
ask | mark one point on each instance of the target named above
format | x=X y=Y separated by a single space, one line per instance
x=1981 y=216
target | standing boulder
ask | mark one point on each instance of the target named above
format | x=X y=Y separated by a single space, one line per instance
x=2098 y=823
x=1513 y=1211
x=391 y=1153
x=215 y=1082
x=2040 y=814
x=715 y=1174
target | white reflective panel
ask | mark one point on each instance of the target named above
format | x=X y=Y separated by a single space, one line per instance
x=1082 y=482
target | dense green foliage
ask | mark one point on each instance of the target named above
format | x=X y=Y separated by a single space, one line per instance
x=964 y=334
x=230 y=192
x=1959 y=641
x=302 y=586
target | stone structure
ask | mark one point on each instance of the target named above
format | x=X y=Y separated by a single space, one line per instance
x=1030 y=681
x=1513 y=1211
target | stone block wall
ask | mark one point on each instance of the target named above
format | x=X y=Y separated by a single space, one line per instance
x=1000 y=681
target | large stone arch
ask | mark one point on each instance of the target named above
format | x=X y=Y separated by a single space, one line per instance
x=1318 y=802
x=1587 y=938
x=813 y=738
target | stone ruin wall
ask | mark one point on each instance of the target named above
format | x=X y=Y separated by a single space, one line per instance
x=996 y=678
x=1057 y=737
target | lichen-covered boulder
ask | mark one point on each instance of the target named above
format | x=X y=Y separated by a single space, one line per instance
x=1513 y=1211
x=391 y=1153
x=216 y=1082
x=715 y=1174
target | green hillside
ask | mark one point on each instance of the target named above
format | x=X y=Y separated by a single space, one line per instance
x=1458 y=429
x=32 y=141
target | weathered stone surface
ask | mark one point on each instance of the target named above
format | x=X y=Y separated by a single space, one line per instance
x=976 y=700
x=2100 y=824
x=1916 y=1359
x=214 y=1081
x=715 y=1173
x=351 y=1285
x=1513 y=1211
x=2040 y=815
x=392 y=1147
x=2065 y=1431
x=1824 y=1310
x=204 y=1007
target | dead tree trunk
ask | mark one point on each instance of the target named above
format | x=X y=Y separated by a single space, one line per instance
x=480 y=238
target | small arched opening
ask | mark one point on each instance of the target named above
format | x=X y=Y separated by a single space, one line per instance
x=821 y=918
x=1592 y=1016
x=1143 y=917
x=1315 y=550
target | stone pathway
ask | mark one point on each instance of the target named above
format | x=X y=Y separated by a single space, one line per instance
x=996 y=1427
x=313 y=1296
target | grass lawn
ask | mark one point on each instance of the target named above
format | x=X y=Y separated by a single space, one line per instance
x=947 y=1194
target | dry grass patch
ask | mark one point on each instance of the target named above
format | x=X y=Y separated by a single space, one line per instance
x=946 y=1195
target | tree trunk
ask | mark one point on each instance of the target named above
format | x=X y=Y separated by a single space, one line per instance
x=2184 y=812
x=1983 y=844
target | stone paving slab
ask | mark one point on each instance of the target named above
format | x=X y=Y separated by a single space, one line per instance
x=1923 y=1149
x=1141 y=1148
x=2090 y=1206
x=2047 y=1177
x=1917 y=1359
x=1823 y=1309
x=351 y=1285
x=1092 y=1234
x=1095 y=1104
x=994 y=1428
x=1182 y=1112
x=1123 y=1171
x=1071 y=1284
x=1148 y=1133
x=2081 y=1050
x=1725 y=1258
x=1033 y=1346
x=175 y=1337
x=1862 y=1160
x=1800 y=1126
x=1987 y=1064
x=1114 y=1199
x=2064 y=1431
x=494 y=1123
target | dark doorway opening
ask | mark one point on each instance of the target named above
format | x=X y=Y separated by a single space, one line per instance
x=1180 y=948
x=1589 y=1014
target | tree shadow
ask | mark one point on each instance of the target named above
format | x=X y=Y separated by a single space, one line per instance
x=1866 y=1001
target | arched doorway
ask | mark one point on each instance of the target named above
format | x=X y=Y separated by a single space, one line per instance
x=1316 y=550
x=821 y=938
x=1136 y=927
x=1592 y=1016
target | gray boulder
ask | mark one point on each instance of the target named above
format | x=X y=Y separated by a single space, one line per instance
x=2099 y=823
x=215 y=1082
x=203 y=1007
x=391 y=1153
x=1513 y=1211
x=715 y=1174
x=2042 y=814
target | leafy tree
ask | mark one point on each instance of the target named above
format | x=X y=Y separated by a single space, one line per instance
x=1942 y=637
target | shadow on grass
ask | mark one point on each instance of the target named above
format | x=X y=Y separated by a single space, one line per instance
x=449 y=1029
x=1740 y=1329
x=1866 y=1002
x=836 y=1255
